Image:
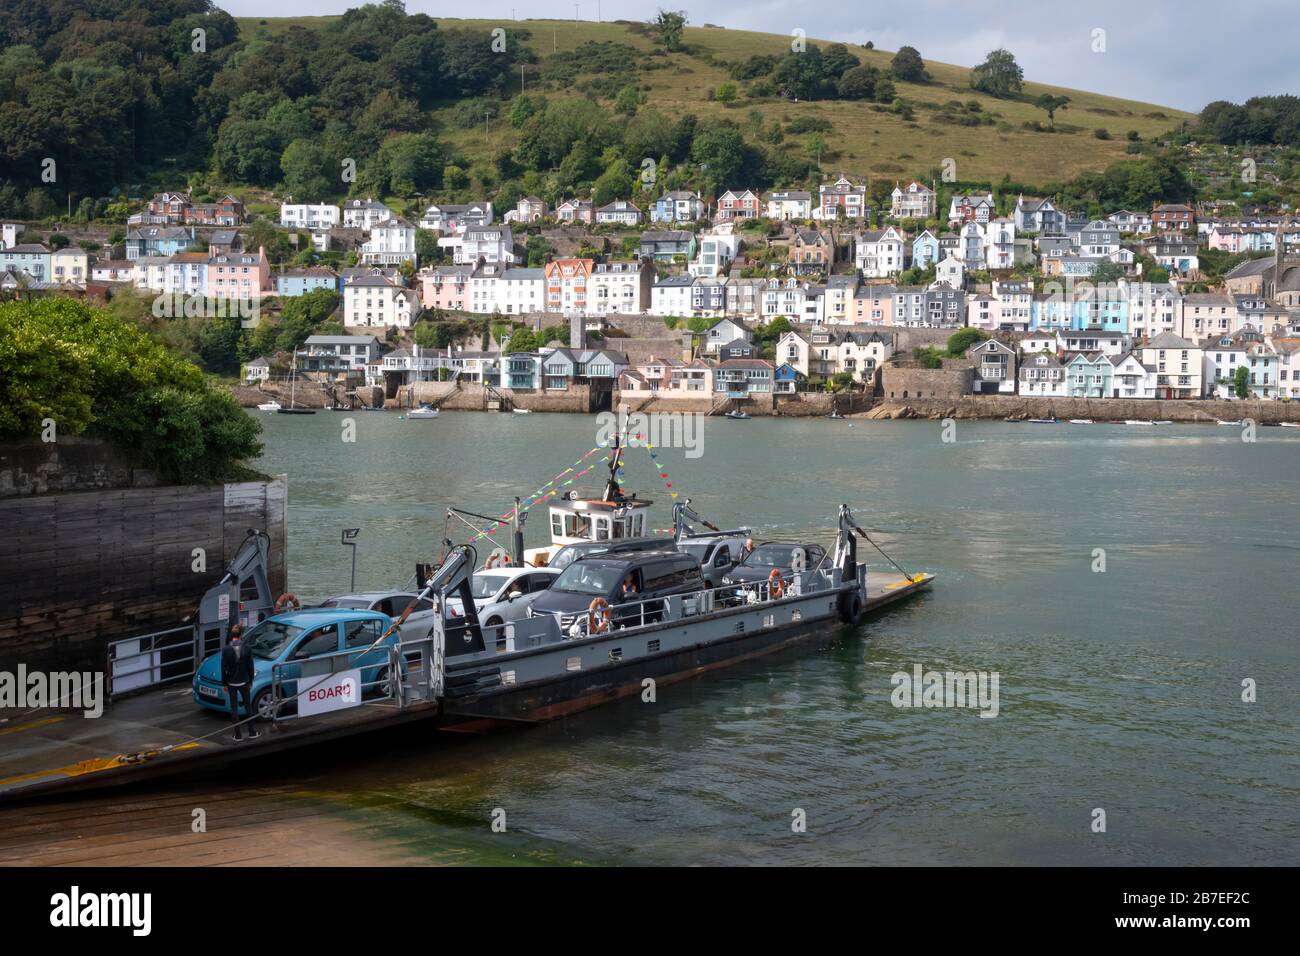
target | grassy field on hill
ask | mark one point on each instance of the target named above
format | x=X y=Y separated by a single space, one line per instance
x=868 y=140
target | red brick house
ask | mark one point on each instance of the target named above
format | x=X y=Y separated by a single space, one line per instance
x=734 y=205
x=226 y=211
x=1173 y=217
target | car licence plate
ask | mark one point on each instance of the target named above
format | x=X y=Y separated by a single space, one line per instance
x=209 y=692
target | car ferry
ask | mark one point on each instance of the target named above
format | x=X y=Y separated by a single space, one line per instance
x=605 y=640
x=662 y=625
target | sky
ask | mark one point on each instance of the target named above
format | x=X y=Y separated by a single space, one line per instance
x=1179 y=53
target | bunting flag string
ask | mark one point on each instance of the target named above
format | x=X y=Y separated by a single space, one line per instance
x=660 y=470
x=544 y=493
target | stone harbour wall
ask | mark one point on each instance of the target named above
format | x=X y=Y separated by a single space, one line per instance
x=1097 y=409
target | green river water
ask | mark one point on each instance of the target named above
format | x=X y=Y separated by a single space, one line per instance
x=1119 y=690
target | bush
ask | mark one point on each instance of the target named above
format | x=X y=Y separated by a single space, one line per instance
x=1101 y=133
x=95 y=374
x=809 y=124
x=963 y=339
x=928 y=357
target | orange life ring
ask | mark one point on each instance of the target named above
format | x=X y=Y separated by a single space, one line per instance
x=598 y=616
x=775 y=584
x=285 y=599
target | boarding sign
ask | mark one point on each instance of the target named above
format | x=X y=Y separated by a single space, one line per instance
x=320 y=695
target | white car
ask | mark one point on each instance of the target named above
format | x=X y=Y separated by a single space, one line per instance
x=503 y=594
x=416 y=627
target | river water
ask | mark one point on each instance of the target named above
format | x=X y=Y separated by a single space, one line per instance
x=1120 y=689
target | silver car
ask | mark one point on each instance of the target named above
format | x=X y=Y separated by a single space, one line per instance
x=717 y=555
x=504 y=594
x=416 y=627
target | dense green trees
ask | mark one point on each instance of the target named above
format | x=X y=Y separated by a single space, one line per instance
x=670 y=24
x=89 y=372
x=1260 y=120
x=1130 y=184
x=908 y=66
x=999 y=75
x=112 y=90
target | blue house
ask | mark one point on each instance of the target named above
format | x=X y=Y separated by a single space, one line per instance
x=164 y=241
x=925 y=250
x=787 y=378
x=1088 y=375
x=295 y=282
x=1073 y=312
x=677 y=206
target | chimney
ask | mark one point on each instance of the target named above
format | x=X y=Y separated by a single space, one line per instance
x=577 y=331
x=688 y=351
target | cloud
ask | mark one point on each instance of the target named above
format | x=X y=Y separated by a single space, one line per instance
x=1181 y=54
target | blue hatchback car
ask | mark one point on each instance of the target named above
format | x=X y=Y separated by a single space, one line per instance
x=297 y=636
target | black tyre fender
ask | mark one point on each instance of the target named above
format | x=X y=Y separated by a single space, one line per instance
x=850 y=609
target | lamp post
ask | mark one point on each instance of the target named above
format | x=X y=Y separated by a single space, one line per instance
x=349 y=541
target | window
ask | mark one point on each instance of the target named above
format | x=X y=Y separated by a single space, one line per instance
x=321 y=641
x=361 y=633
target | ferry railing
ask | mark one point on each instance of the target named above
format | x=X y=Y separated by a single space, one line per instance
x=705 y=601
x=160 y=657
x=386 y=667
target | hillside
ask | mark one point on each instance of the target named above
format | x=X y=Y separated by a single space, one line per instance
x=867 y=139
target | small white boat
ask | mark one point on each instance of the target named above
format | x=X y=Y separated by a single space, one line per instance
x=269 y=407
x=737 y=415
x=1162 y=421
x=1138 y=421
x=1289 y=424
x=1080 y=421
x=424 y=411
x=1220 y=421
x=1044 y=421
x=522 y=411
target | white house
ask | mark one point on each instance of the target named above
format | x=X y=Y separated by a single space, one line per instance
x=309 y=216
x=391 y=242
x=69 y=264
x=789 y=204
x=880 y=253
x=1129 y=378
x=913 y=201
x=718 y=246
x=619 y=287
x=725 y=332
x=1178 y=366
x=671 y=295
x=364 y=213
x=862 y=353
x=620 y=212
x=495 y=245
x=1043 y=376
x=452 y=219
x=1138 y=222
x=999 y=244
x=374 y=300
x=1152 y=309
x=1225 y=354
x=951 y=272
x=187 y=273
x=677 y=206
